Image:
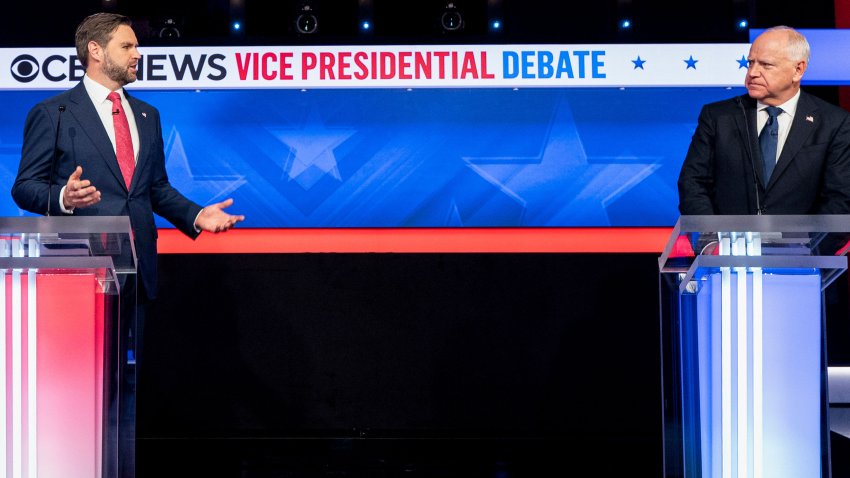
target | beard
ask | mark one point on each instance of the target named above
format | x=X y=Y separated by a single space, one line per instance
x=115 y=72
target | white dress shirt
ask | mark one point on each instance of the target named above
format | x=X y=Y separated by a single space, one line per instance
x=98 y=94
x=789 y=109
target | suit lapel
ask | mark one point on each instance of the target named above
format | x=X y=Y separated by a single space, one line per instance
x=84 y=112
x=804 y=122
x=747 y=132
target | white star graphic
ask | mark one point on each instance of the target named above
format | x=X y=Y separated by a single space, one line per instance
x=312 y=157
x=202 y=189
x=559 y=186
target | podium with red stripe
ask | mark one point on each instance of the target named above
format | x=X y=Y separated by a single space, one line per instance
x=60 y=359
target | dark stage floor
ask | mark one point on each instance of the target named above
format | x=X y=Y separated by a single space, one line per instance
x=368 y=457
x=261 y=458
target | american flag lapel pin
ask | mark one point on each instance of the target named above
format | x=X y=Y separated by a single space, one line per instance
x=810 y=119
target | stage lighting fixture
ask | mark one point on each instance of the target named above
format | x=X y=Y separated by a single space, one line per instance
x=451 y=20
x=365 y=25
x=306 y=21
x=743 y=24
x=625 y=24
x=495 y=25
x=169 y=30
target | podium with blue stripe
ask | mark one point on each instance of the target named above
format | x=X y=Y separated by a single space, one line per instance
x=743 y=344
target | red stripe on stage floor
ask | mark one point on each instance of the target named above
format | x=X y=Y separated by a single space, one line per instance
x=495 y=240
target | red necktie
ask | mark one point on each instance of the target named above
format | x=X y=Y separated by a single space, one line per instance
x=123 y=141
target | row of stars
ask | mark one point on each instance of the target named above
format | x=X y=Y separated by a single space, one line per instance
x=691 y=62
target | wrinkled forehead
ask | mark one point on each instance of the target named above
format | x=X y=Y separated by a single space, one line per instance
x=770 y=45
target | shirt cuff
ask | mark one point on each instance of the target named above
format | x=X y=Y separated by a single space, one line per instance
x=195 y=224
x=62 y=203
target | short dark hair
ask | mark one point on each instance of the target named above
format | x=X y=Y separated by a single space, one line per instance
x=98 y=28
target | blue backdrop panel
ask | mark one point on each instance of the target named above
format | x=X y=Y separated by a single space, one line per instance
x=420 y=158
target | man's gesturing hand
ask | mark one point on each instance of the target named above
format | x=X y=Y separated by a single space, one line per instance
x=79 y=193
x=213 y=218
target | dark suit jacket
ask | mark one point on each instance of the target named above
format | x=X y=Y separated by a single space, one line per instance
x=724 y=168
x=83 y=141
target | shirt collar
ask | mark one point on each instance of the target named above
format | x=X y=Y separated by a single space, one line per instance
x=98 y=92
x=789 y=106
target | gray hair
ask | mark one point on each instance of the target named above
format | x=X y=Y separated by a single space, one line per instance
x=797 y=47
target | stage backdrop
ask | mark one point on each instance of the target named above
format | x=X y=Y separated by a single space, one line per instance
x=448 y=136
x=413 y=136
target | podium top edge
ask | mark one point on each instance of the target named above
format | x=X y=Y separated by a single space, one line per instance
x=65 y=224
x=825 y=223
x=58 y=262
x=788 y=235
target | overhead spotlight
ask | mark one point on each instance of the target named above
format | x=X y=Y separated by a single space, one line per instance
x=743 y=24
x=625 y=24
x=366 y=25
x=169 y=30
x=495 y=25
x=451 y=20
x=236 y=26
x=306 y=21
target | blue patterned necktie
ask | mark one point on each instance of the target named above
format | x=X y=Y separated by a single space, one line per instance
x=769 y=140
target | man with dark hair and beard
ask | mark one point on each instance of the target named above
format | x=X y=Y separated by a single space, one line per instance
x=100 y=172
x=94 y=150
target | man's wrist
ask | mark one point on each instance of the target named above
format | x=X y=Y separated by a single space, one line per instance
x=195 y=224
x=65 y=210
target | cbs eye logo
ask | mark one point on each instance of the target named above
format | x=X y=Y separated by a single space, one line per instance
x=25 y=68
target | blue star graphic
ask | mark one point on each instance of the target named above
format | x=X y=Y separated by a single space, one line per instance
x=203 y=189
x=742 y=63
x=312 y=150
x=638 y=63
x=559 y=185
x=691 y=62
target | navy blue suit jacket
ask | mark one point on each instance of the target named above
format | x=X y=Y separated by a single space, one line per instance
x=724 y=168
x=83 y=141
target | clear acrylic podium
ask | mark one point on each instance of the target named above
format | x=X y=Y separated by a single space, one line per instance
x=744 y=371
x=63 y=409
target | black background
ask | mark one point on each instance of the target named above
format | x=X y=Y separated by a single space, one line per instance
x=41 y=23
x=447 y=362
